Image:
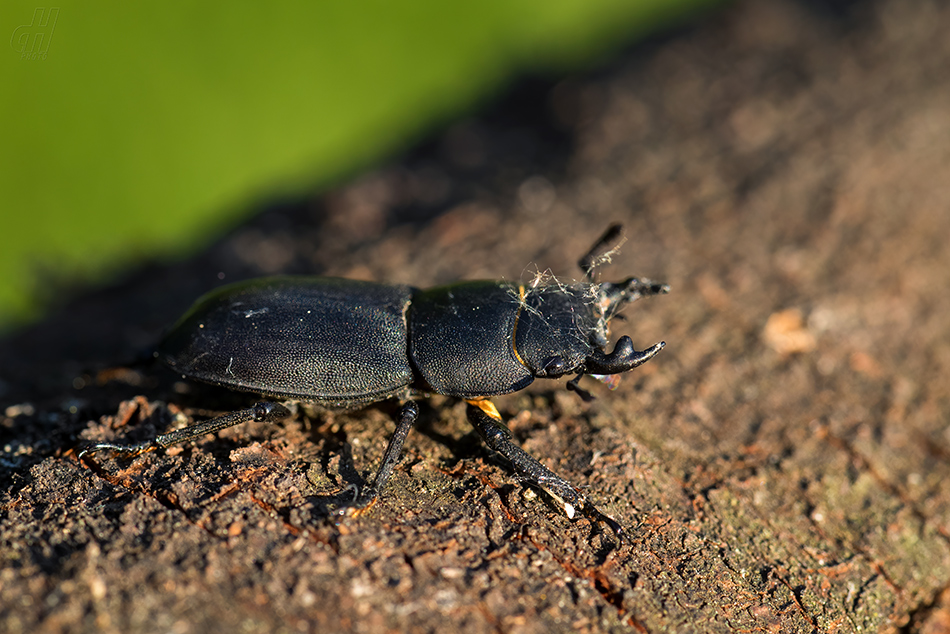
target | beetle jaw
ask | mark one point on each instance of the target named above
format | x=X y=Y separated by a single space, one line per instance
x=623 y=358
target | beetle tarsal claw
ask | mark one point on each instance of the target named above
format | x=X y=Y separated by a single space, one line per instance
x=356 y=510
x=362 y=501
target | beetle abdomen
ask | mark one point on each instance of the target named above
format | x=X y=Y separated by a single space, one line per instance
x=320 y=339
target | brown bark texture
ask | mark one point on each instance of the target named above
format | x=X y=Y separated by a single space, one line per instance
x=781 y=466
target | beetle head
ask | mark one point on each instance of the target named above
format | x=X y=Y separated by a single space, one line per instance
x=553 y=334
x=563 y=329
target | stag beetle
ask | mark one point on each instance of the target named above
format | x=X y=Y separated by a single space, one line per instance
x=344 y=343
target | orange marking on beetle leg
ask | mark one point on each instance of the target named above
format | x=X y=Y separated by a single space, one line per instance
x=486 y=406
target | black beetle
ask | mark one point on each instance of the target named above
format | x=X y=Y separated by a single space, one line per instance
x=344 y=343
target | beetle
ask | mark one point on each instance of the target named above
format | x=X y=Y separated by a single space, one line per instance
x=343 y=344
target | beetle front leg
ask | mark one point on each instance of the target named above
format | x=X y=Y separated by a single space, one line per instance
x=368 y=496
x=263 y=412
x=487 y=421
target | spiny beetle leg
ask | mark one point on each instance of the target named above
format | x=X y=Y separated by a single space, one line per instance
x=485 y=418
x=366 y=498
x=262 y=412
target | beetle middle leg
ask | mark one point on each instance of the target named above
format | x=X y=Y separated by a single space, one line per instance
x=485 y=418
x=366 y=498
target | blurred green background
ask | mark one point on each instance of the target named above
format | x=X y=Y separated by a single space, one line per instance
x=138 y=130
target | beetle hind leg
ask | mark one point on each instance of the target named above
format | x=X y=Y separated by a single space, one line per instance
x=262 y=412
x=485 y=418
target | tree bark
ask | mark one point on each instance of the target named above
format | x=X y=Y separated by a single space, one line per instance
x=780 y=466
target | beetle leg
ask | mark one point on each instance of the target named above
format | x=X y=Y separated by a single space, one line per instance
x=263 y=412
x=485 y=418
x=367 y=497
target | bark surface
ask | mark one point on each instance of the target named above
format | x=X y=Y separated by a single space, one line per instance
x=781 y=466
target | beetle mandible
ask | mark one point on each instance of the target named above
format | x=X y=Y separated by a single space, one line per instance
x=344 y=343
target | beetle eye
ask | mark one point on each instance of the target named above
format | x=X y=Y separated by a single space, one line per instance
x=553 y=367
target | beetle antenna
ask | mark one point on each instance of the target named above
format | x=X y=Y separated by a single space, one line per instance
x=597 y=254
x=625 y=292
x=573 y=386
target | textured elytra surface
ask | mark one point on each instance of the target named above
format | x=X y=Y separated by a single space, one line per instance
x=780 y=466
x=326 y=340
